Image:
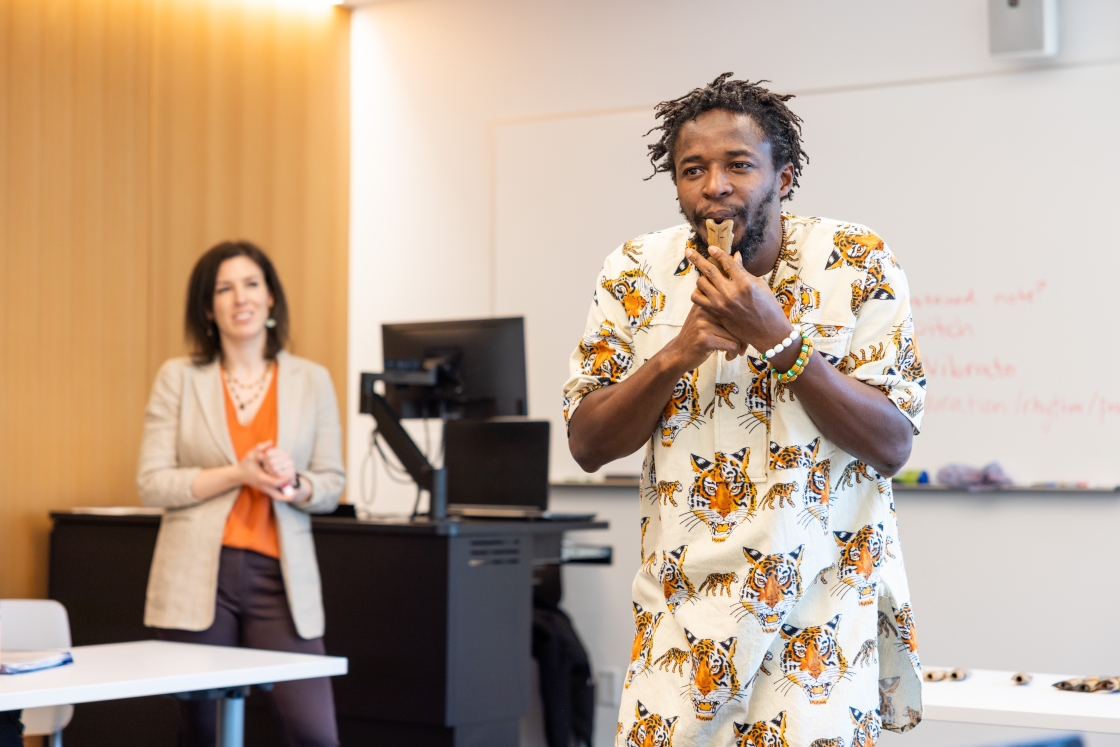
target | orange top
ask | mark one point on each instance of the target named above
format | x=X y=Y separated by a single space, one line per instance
x=251 y=524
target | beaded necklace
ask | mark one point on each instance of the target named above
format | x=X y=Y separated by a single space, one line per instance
x=255 y=388
x=781 y=253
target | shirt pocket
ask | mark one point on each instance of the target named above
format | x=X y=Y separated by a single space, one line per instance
x=833 y=342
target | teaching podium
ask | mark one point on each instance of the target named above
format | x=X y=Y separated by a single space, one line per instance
x=435 y=619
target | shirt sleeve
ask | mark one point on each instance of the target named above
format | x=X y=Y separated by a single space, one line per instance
x=884 y=353
x=605 y=354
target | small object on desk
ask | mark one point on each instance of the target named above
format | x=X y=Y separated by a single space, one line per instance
x=20 y=662
x=959 y=675
x=933 y=675
x=990 y=477
x=1090 y=684
x=1021 y=678
x=912 y=477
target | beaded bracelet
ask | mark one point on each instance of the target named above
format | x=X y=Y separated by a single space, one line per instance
x=802 y=360
x=795 y=334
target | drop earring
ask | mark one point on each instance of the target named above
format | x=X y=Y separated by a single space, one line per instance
x=270 y=323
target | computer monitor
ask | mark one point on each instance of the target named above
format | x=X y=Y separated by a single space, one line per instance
x=496 y=467
x=468 y=368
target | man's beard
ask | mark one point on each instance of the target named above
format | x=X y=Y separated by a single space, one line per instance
x=754 y=222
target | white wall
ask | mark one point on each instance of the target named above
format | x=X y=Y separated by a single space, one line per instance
x=433 y=80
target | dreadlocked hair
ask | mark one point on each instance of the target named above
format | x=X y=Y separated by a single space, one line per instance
x=768 y=110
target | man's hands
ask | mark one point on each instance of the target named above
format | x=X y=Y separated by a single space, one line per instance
x=738 y=302
x=733 y=309
x=700 y=336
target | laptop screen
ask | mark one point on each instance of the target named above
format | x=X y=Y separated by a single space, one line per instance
x=501 y=462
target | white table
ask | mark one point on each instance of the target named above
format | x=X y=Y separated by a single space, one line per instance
x=132 y=670
x=989 y=697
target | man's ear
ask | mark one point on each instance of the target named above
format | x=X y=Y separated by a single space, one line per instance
x=785 y=179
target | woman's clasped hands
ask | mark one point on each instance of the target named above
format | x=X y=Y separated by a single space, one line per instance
x=268 y=469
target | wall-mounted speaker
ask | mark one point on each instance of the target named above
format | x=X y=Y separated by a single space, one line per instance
x=1023 y=28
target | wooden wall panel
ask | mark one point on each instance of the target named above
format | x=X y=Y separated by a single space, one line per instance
x=260 y=88
x=133 y=135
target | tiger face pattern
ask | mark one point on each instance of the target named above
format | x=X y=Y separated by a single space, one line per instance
x=856 y=247
x=605 y=355
x=871 y=288
x=675 y=585
x=723 y=396
x=817 y=494
x=685 y=266
x=714 y=683
x=772 y=586
x=797 y=298
x=826 y=742
x=908 y=634
x=682 y=410
x=639 y=297
x=641 y=652
x=650 y=730
x=861 y=554
x=908 y=361
x=827 y=330
x=770 y=733
x=812 y=659
x=722 y=496
x=908 y=402
x=758 y=400
x=792 y=457
x=868 y=728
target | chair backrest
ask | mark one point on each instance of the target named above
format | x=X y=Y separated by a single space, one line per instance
x=33 y=625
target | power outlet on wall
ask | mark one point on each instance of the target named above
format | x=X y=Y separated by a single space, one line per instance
x=608 y=687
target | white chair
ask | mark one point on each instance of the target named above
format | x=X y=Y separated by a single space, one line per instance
x=34 y=625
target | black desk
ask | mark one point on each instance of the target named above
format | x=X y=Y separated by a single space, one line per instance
x=435 y=619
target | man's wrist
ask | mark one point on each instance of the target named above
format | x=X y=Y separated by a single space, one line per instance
x=784 y=360
x=669 y=362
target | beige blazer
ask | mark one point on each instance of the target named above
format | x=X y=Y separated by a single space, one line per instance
x=185 y=432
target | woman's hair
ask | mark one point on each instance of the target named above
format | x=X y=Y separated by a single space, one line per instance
x=201 y=330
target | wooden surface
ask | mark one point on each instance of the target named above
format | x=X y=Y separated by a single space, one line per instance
x=134 y=134
x=990 y=697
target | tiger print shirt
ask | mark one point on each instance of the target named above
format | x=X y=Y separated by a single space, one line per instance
x=771 y=598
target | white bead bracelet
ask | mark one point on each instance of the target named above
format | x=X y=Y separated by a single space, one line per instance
x=794 y=335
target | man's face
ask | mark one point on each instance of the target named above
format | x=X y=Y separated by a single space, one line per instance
x=724 y=170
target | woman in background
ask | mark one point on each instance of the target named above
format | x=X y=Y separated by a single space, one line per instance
x=241 y=443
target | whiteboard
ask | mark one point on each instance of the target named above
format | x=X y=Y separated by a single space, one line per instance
x=994 y=193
